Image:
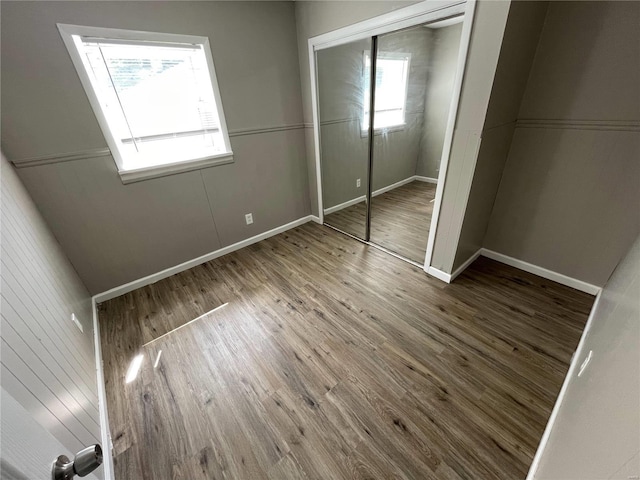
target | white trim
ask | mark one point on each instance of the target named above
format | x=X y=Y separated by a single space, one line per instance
x=68 y=32
x=620 y=125
x=106 y=152
x=254 y=131
x=420 y=178
x=105 y=431
x=542 y=272
x=61 y=157
x=153 y=278
x=380 y=191
x=439 y=274
x=155 y=171
x=465 y=39
x=428 y=11
x=464 y=266
x=347 y=204
x=316 y=126
x=573 y=367
x=316 y=219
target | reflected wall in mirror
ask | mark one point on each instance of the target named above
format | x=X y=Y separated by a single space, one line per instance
x=344 y=139
x=415 y=73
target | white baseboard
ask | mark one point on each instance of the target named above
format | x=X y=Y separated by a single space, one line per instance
x=105 y=431
x=464 y=266
x=316 y=219
x=347 y=204
x=380 y=191
x=153 y=278
x=439 y=274
x=520 y=264
x=542 y=272
x=576 y=360
x=425 y=179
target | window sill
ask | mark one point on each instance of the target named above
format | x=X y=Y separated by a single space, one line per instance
x=384 y=130
x=156 y=171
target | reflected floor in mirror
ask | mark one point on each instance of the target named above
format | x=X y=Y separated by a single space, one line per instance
x=400 y=219
x=313 y=356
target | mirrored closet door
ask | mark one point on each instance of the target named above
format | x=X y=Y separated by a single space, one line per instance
x=382 y=141
x=415 y=72
x=344 y=136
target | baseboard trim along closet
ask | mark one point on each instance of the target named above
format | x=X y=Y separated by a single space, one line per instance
x=153 y=278
x=464 y=266
x=347 y=204
x=439 y=274
x=519 y=264
x=105 y=431
x=420 y=178
x=576 y=360
x=542 y=272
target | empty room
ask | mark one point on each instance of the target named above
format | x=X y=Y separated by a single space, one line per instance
x=277 y=240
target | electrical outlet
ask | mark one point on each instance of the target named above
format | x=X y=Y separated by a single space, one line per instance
x=249 y=218
x=358 y=183
x=75 y=320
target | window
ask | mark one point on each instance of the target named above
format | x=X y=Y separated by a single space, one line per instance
x=155 y=96
x=392 y=76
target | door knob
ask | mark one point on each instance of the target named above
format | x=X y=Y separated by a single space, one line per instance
x=85 y=462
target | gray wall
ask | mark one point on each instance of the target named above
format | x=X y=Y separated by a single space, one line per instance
x=597 y=430
x=48 y=365
x=519 y=45
x=569 y=196
x=445 y=43
x=115 y=233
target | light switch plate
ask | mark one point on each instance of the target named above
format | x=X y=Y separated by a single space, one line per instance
x=77 y=323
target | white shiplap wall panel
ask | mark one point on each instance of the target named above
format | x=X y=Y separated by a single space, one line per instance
x=47 y=364
x=24 y=293
x=44 y=388
x=16 y=316
x=37 y=410
x=57 y=300
x=47 y=368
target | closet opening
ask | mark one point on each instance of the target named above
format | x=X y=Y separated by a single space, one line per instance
x=385 y=106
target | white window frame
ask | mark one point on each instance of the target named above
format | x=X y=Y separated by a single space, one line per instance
x=67 y=32
x=398 y=126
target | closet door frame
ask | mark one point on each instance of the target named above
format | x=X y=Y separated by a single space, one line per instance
x=424 y=12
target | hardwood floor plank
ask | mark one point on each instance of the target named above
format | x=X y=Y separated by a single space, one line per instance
x=333 y=360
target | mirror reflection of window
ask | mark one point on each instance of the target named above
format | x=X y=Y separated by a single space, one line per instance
x=392 y=76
